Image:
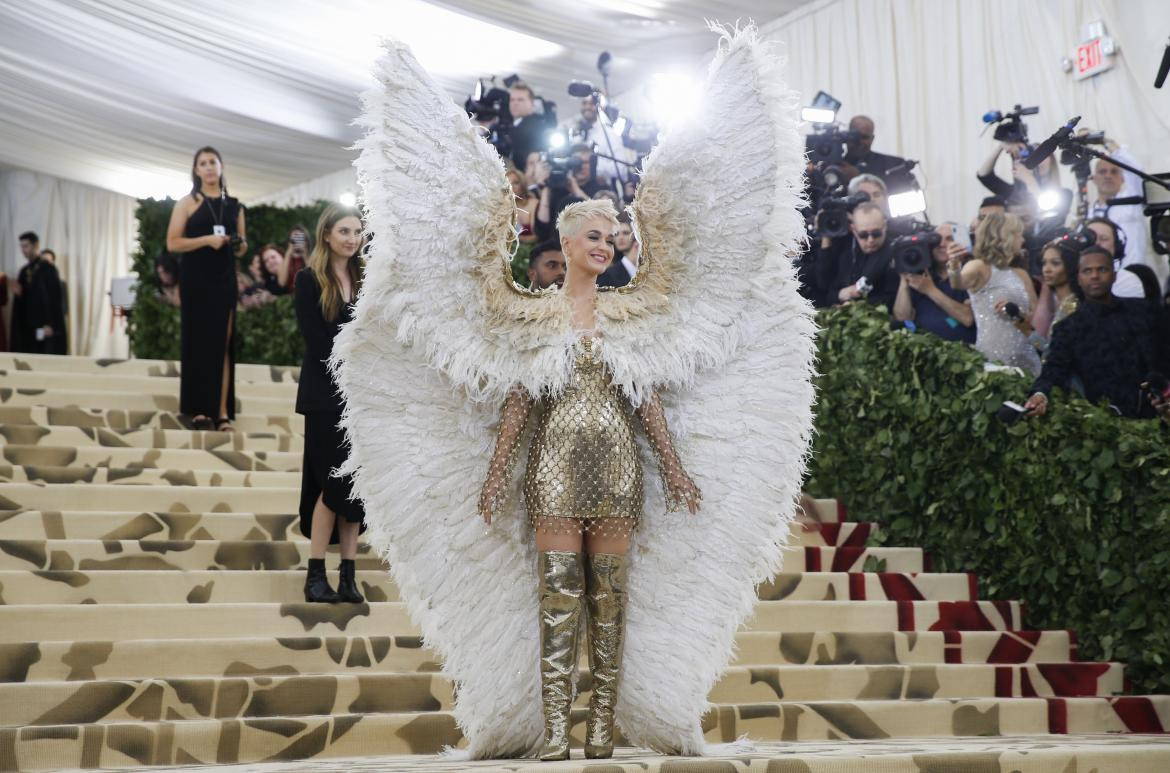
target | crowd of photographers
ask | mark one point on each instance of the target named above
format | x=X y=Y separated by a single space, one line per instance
x=1069 y=288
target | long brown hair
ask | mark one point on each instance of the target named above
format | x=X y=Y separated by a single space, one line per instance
x=196 y=183
x=318 y=263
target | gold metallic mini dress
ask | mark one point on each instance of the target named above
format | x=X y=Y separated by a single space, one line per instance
x=584 y=471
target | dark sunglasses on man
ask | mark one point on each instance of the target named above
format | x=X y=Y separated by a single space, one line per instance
x=874 y=234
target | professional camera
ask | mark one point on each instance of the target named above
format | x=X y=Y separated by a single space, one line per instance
x=1010 y=126
x=560 y=167
x=1077 y=238
x=912 y=252
x=833 y=213
x=488 y=101
x=1157 y=208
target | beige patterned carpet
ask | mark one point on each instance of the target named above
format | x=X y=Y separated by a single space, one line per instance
x=151 y=615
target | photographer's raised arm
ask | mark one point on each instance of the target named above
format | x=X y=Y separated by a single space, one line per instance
x=991 y=181
x=903 y=307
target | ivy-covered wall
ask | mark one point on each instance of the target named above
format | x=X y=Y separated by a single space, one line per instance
x=1069 y=512
x=266 y=334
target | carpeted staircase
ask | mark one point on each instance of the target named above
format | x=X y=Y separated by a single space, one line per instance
x=151 y=615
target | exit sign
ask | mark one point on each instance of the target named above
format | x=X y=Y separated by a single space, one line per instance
x=1093 y=57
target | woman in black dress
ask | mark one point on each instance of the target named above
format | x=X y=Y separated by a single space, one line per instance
x=325 y=292
x=207 y=227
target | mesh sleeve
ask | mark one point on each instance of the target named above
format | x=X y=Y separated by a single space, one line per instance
x=513 y=418
x=680 y=490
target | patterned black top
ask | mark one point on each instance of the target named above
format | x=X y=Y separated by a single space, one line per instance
x=1112 y=348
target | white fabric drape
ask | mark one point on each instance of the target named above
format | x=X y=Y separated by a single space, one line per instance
x=93 y=233
x=328 y=187
x=926 y=71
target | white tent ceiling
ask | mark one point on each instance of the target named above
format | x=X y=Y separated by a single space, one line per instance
x=119 y=93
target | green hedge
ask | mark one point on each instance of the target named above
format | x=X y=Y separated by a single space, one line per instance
x=266 y=334
x=1069 y=512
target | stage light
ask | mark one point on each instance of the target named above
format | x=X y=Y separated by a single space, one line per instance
x=556 y=140
x=347 y=199
x=817 y=115
x=1048 y=202
x=907 y=203
x=674 y=97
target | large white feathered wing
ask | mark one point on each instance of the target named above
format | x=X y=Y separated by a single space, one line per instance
x=732 y=342
x=424 y=367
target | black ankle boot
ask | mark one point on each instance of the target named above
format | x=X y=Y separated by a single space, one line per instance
x=346 y=584
x=317 y=587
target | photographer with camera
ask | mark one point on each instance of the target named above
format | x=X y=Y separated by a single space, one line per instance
x=1000 y=294
x=1110 y=345
x=873 y=186
x=1111 y=182
x=593 y=131
x=925 y=296
x=560 y=181
x=860 y=158
x=861 y=267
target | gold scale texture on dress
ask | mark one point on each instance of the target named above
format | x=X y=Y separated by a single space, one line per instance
x=584 y=472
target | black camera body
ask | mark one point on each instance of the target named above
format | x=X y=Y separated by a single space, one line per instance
x=560 y=167
x=912 y=252
x=828 y=146
x=236 y=240
x=1011 y=127
x=833 y=213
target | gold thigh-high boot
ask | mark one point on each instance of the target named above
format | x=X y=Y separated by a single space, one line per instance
x=605 y=583
x=562 y=584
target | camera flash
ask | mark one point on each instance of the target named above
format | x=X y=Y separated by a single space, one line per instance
x=817 y=115
x=907 y=203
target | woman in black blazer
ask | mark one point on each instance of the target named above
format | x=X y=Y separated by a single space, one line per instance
x=325 y=292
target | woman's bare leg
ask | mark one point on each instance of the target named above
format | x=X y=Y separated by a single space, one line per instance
x=323 y=520
x=225 y=382
x=348 y=534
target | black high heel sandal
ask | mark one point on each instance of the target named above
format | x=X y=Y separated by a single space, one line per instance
x=224 y=424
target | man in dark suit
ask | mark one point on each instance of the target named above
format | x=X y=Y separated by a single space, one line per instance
x=625 y=264
x=529 y=129
x=38 y=317
x=861 y=159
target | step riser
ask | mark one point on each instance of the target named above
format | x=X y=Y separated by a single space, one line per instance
x=193 y=621
x=130 y=401
x=153 y=477
x=166 y=369
x=145 y=659
x=151 y=458
x=148 y=498
x=267 y=439
x=245 y=695
x=147 y=385
x=346 y=735
x=201 y=587
x=83 y=524
x=15 y=417
x=245 y=555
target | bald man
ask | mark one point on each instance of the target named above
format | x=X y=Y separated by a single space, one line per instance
x=861 y=159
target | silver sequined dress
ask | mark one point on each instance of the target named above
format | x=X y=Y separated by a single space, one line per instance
x=997 y=339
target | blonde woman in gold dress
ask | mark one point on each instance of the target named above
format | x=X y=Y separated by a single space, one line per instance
x=711 y=335
x=583 y=489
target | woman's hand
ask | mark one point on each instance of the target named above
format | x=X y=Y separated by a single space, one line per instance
x=683 y=489
x=1023 y=322
x=216 y=241
x=492 y=488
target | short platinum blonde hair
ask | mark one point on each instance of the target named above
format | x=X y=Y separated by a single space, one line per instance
x=572 y=217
